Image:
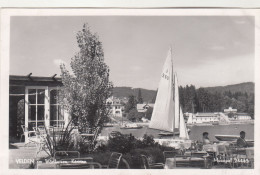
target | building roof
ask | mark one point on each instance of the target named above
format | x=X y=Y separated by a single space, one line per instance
x=243 y=114
x=208 y=114
x=114 y=101
x=230 y=109
x=28 y=80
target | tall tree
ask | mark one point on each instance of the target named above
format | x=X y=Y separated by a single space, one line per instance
x=148 y=113
x=131 y=104
x=154 y=98
x=87 y=87
x=139 y=97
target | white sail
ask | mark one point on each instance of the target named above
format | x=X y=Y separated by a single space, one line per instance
x=183 y=129
x=163 y=112
x=176 y=101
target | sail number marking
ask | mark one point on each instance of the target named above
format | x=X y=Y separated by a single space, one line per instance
x=165 y=76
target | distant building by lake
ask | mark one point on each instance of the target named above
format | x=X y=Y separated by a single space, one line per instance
x=230 y=115
x=200 y=118
x=234 y=115
x=143 y=107
x=230 y=110
x=116 y=106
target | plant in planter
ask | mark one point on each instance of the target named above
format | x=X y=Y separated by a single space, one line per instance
x=62 y=140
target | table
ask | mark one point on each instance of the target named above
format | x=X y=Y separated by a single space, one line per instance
x=171 y=163
x=69 y=165
x=216 y=148
x=47 y=165
x=185 y=161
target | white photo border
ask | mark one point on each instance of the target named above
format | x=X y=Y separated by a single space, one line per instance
x=6 y=14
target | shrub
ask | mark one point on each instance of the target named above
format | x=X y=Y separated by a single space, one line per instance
x=121 y=143
x=100 y=157
x=147 y=141
x=132 y=150
x=154 y=154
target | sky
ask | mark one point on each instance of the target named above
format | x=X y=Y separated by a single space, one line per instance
x=207 y=50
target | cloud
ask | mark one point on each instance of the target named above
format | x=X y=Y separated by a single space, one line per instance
x=58 y=62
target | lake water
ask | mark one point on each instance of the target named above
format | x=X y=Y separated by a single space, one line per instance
x=195 y=133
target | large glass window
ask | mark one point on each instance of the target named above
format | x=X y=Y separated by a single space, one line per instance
x=56 y=111
x=36 y=108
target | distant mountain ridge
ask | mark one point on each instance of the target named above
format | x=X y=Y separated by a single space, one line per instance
x=148 y=95
x=248 y=87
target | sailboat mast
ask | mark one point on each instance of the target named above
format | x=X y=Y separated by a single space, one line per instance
x=173 y=80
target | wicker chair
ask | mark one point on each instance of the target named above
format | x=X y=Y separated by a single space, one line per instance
x=114 y=160
x=148 y=165
x=31 y=135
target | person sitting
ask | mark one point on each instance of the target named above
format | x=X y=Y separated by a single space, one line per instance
x=241 y=142
x=205 y=139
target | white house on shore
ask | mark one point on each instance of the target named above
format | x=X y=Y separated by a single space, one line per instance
x=218 y=117
x=142 y=107
x=116 y=106
x=236 y=116
x=230 y=110
x=243 y=116
x=200 y=118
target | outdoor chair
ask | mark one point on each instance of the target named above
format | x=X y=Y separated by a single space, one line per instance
x=232 y=155
x=80 y=165
x=44 y=143
x=31 y=135
x=241 y=155
x=85 y=159
x=90 y=138
x=114 y=160
x=182 y=160
x=223 y=155
x=148 y=165
x=169 y=154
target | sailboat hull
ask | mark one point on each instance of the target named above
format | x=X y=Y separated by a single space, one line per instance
x=176 y=133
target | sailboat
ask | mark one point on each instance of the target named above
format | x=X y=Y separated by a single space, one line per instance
x=167 y=115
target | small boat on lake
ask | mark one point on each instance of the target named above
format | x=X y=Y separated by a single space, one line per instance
x=131 y=126
x=176 y=133
x=108 y=125
x=227 y=137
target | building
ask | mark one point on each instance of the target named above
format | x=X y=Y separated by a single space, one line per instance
x=33 y=102
x=230 y=110
x=242 y=116
x=235 y=116
x=116 y=106
x=143 y=107
x=199 y=118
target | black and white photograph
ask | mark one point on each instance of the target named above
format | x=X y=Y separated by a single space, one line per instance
x=131 y=89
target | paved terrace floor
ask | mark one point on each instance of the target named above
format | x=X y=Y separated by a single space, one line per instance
x=21 y=156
